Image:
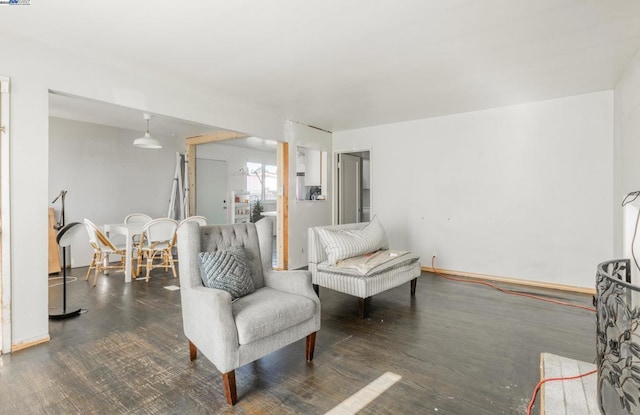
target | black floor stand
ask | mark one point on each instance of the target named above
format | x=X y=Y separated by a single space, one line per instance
x=72 y=311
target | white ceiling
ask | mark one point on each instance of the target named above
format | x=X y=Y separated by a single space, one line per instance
x=96 y=112
x=343 y=64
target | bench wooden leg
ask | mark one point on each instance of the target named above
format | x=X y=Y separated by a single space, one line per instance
x=414 y=282
x=193 y=351
x=364 y=305
x=229 y=381
x=311 y=345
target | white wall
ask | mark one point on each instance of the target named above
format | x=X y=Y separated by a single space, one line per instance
x=236 y=158
x=627 y=110
x=305 y=213
x=34 y=70
x=106 y=176
x=522 y=191
x=581 y=123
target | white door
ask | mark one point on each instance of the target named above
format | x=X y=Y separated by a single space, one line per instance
x=211 y=190
x=349 y=193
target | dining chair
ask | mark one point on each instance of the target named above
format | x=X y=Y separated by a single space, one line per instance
x=200 y=220
x=102 y=248
x=156 y=243
x=137 y=218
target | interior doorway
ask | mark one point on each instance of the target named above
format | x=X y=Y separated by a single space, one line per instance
x=211 y=190
x=353 y=201
x=282 y=189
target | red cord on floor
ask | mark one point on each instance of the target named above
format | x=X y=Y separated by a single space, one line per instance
x=535 y=391
x=488 y=284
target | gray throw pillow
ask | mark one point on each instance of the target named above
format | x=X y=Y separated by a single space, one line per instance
x=227 y=270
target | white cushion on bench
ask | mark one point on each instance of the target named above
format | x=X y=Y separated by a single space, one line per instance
x=396 y=262
x=343 y=244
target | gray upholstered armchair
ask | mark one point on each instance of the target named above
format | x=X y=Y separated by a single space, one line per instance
x=283 y=308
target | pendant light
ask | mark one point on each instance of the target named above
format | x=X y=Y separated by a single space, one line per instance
x=147 y=141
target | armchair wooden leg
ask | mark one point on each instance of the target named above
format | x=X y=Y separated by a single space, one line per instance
x=311 y=345
x=413 y=286
x=193 y=351
x=229 y=381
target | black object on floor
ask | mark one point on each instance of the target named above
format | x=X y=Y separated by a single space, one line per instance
x=64 y=238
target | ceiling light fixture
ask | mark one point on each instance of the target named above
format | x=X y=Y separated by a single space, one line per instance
x=147 y=141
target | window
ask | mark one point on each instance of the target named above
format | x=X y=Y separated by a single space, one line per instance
x=262 y=181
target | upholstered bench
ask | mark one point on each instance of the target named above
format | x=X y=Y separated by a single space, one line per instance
x=351 y=259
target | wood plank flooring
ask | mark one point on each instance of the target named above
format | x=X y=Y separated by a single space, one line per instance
x=459 y=349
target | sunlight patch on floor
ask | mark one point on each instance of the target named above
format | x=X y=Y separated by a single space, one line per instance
x=366 y=395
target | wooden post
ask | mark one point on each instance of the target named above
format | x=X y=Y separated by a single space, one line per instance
x=283 y=206
x=190 y=158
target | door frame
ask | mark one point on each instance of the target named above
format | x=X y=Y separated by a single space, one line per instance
x=345 y=177
x=282 y=248
x=5 y=216
x=335 y=184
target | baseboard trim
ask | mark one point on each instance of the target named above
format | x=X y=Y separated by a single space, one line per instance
x=26 y=345
x=515 y=281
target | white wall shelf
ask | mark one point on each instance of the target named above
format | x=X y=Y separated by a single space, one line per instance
x=240 y=207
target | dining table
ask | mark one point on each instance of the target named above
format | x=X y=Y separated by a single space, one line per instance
x=129 y=230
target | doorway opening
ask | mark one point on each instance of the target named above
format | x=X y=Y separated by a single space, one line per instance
x=353 y=187
x=241 y=193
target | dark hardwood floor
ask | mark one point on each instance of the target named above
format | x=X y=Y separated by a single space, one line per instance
x=459 y=348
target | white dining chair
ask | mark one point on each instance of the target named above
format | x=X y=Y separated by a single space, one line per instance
x=102 y=247
x=200 y=220
x=156 y=243
x=137 y=218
